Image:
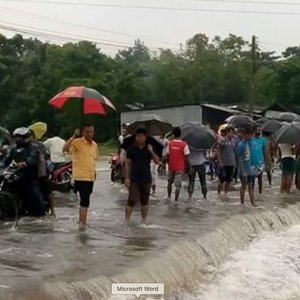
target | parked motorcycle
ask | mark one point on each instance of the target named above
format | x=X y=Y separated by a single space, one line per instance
x=61 y=178
x=116 y=168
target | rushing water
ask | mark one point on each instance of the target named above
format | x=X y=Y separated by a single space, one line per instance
x=182 y=247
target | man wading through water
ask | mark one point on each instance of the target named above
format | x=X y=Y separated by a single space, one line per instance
x=84 y=156
x=138 y=174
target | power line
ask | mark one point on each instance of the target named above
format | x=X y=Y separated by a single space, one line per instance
x=58 y=35
x=48 y=18
x=196 y=9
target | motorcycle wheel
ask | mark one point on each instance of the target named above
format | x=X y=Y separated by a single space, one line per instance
x=114 y=175
x=9 y=209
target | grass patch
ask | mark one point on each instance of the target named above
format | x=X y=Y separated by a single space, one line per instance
x=107 y=148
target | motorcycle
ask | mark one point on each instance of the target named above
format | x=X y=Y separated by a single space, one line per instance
x=11 y=205
x=116 y=168
x=61 y=178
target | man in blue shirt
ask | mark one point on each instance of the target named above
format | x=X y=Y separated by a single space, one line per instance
x=259 y=156
x=245 y=169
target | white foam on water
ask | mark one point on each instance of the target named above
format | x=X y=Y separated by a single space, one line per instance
x=269 y=269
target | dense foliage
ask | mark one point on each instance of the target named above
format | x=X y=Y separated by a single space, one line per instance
x=211 y=71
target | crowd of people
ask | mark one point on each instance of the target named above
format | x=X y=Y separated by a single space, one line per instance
x=238 y=155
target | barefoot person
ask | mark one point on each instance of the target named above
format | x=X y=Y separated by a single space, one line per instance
x=138 y=178
x=84 y=156
x=260 y=157
x=226 y=159
x=177 y=152
x=288 y=165
x=245 y=169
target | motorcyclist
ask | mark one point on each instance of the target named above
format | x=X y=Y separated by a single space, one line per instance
x=44 y=178
x=26 y=157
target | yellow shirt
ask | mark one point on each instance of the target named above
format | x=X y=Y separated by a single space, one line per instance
x=84 y=157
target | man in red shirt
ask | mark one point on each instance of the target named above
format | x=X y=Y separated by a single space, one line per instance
x=177 y=152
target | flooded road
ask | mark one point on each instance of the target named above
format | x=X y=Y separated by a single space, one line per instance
x=179 y=241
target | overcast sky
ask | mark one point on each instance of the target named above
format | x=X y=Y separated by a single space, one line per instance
x=157 y=28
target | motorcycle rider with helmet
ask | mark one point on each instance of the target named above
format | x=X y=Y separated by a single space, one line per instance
x=26 y=157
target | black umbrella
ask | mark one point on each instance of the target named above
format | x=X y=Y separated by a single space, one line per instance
x=286 y=116
x=154 y=125
x=239 y=121
x=198 y=136
x=271 y=126
x=288 y=134
x=157 y=146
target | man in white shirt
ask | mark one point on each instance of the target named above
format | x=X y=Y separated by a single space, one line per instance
x=54 y=147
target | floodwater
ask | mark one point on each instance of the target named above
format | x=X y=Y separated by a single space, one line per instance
x=185 y=246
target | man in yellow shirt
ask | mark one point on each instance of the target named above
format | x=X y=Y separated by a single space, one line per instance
x=84 y=156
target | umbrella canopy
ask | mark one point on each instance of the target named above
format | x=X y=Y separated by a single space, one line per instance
x=157 y=146
x=39 y=129
x=154 y=125
x=286 y=116
x=239 y=121
x=92 y=101
x=288 y=134
x=271 y=126
x=198 y=136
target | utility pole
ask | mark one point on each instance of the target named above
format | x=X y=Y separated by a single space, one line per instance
x=253 y=59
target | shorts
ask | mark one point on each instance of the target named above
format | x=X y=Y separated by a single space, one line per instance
x=85 y=190
x=175 y=177
x=139 y=192
x=288 y=165
x=249 y=179
x=226 y=174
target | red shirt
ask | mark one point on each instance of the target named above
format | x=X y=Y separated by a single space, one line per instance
x=177 y=151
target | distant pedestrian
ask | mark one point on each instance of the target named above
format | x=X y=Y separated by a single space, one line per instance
x=226 y=160
x=177 y=152
x=271 y=150
x=138 y=178
x=84 y=156
x=288 y=166
x=197 y=163
x=245 y=170
x=260 y=157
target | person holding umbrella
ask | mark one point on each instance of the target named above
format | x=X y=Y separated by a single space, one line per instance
x=138 y=177
x=177 y=152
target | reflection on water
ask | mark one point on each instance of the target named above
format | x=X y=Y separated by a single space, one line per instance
x=55 y=251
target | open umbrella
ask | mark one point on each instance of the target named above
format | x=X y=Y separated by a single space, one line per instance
x=288 y=134
x=286 y=116
x=39 y=129
x=198 y=136
x=271 y=126
x=157 y=146
x=239 y=121
x=92 y=101
x=154 y=125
